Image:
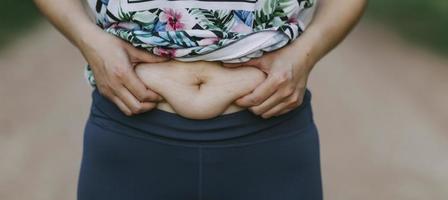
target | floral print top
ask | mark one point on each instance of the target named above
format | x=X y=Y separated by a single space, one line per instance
x=191 y=29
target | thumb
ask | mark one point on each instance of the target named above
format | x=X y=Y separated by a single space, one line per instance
x=137 y=55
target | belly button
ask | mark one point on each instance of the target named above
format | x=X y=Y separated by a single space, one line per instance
x=199 y=84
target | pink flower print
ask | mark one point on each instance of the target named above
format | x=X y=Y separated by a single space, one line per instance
x=165 y=52
x=292 y=20
x=124 y=25
x=293 y=17
x=176 y=19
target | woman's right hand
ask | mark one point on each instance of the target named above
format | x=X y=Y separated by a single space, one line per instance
x=112 y=61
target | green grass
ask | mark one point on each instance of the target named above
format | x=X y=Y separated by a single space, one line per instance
x=423 y=22
x=16 y=17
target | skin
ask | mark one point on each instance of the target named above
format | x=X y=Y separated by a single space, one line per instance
x=288 y=68
x=112 y=59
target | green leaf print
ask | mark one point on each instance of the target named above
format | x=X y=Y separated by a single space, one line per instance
x=204 y=18
x=177 y=39
x=145 y=19
x=224 y=19
x=125 y=16
x=221 y=20
x=263 y=16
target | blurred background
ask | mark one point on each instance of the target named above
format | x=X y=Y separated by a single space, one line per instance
x=380 y=101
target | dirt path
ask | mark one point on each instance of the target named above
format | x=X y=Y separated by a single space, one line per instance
x=381 y=106
x=379 y=103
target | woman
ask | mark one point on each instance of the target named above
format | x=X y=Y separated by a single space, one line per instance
x=201 y=99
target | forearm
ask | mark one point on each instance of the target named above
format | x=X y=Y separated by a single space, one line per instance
x=70 y=18
x=332 y=21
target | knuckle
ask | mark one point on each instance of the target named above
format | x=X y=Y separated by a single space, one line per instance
x=119 y=72
x=142 y=109
x=137 y=109
x=292 y=101
x=150 y=96
x=295 y=101
x=282 y=77
x=286 y=75
x=290 y=89
x=255 y=100
x=141 y=96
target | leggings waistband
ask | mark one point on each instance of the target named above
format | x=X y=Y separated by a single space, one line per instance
x=227 y=126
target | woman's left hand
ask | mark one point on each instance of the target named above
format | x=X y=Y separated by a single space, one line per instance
x=285 y=85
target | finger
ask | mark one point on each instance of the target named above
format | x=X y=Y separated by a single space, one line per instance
x=260 y=93
x=146 y=106
x=136 y=86
x=275 y=99
x=142 y=55
x=121 y=105
x=276 y=110
x=129 y=100
x=283 y=112
x=291 y=103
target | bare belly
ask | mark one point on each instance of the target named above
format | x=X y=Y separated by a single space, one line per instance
x=201 y=89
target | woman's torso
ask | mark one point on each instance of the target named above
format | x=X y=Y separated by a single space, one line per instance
x=201 y=33
x=200 y=89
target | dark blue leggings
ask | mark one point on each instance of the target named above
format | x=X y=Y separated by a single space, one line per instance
x=160 y=155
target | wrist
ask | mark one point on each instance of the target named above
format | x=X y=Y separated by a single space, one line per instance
x=306 y=49
x=302 y=58
x=306 y=61
x=88 y=35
